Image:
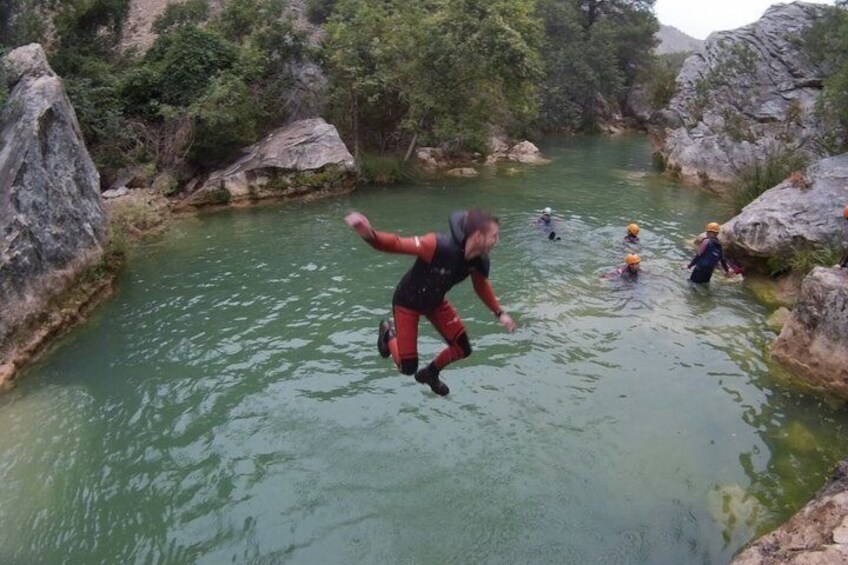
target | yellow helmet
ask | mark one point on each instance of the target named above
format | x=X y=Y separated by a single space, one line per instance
x=633 y=229
x=633 y=259
x=845 y=213
x=713 y=227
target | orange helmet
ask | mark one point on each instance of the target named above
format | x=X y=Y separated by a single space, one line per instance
x=845 y=213
x=633 y=259
x=633 y=229
x=713 y=227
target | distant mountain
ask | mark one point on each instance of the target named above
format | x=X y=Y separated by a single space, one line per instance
x=672 y=40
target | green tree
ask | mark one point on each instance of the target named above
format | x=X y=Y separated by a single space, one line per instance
x=593 y=51
x=826 y=42
x=21 y=22
x=441 y=69
x=176 y=15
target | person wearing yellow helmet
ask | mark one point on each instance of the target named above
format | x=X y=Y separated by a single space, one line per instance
x=710 y=253
x=630 y=270
x=632 y=234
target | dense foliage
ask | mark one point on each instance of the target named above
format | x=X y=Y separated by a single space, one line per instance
x=442 y=70
x=400 y=72
x=827 y=42
x=207 y=86
x=446 y=71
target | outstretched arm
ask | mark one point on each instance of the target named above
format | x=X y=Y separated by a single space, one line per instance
x=484 y=290
x=423 y=247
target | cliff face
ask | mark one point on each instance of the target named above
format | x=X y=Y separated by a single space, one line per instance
x=52 y=222
x=805 y=214
x=814 y=340
x=748 y=94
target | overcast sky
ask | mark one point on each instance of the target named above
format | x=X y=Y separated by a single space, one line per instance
x=699 y=18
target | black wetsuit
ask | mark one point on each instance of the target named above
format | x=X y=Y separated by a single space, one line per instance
x=424 y=286
x=710 y=255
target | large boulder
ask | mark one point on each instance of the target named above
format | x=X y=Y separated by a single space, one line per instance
x=747 y=95
x=52 y=223
x=800 y=213
x=305 y=158
x=814 y=340
x=816 y=535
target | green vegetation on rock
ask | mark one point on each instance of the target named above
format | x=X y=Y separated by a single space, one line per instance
x=761 y=176
x=827 y=42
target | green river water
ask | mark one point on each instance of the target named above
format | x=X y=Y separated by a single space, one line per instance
x=228 y=405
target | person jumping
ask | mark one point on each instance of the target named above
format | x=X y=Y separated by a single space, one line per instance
x=443 y=261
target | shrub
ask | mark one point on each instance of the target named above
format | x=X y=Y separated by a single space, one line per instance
x=177 y=70
x=662 y=85
x=240 y=18
x=763 y=175
x=225 y=120
x=190 y=12
x=802 y=260
x=386 y=169
x=318 y=11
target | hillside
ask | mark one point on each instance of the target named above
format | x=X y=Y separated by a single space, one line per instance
x=672 y=40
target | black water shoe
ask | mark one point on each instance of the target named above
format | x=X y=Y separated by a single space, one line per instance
x=430 y=376
x=386 y=333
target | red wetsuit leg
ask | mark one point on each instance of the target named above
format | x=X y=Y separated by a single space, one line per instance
x=447 y=322
x=404 y=347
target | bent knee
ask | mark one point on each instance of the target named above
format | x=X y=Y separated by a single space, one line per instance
x=408 y=366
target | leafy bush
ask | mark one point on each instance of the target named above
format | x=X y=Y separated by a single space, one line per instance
x=662 y=84
x=188 y=13
x=318 y=11
x=240 y=18
x=803 y=260
x=386 y=169
x=21 y=22
x=763 y=175
x=826 y=42
x=225 y=120
x=177 y=69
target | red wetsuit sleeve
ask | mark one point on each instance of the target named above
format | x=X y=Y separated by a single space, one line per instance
x=423 y=247
x=484 y=290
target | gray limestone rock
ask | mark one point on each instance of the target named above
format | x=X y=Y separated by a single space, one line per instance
x=816 y=535
x=52 y=223
x=305 y=157
x=787 y=217
x=748 y=94
x=814 y=340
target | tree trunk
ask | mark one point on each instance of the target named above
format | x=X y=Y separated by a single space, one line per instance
x=411 y=147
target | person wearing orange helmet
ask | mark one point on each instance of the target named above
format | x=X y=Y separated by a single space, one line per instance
x=710 y=253
x=630 y=270
x=632 y=234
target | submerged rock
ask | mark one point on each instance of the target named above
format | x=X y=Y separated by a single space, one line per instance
x=816 y=535
x=748 y=94
x=305 y=158
x=737 y=511
x=777 y=319
x=814 y=340
x=52 y=223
